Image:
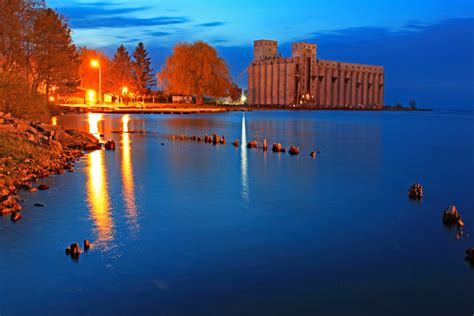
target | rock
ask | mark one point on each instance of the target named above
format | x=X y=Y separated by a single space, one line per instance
x=283 y=150
x=276 y=148
x=451 y=215
x=75 y=250
x=265 y=146
x=252 y=144
x=470 y=255
x=16 y=216
x=294 y=150
x=216 y=139
x=32 y=190
x=223 y=141
x=193 y=138
x=7 y=116
x=42 y=187
x=87 y=244
x=39 y=204
x=9 y=202
x=313 y=154
x=415 y=191
x=110 y=145
x=64 y=139
x=56 y=147
x=236 y=143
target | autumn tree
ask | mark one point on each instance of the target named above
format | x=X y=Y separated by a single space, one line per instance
x=195 y=69
x=122 y=70
x=142 y=71
x=52 y=59
x=31 y=36
x=89 y=76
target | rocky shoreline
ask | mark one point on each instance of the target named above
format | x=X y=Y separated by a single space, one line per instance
x=30 y=151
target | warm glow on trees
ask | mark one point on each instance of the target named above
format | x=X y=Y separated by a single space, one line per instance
x=122 y=71
x=89 y=74
x=195 y=69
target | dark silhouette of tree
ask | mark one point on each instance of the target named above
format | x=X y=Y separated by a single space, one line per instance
x=122 y=70
x=142 y=71
x=195 y=69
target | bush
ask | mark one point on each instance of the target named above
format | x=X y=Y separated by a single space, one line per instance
x=17 y=98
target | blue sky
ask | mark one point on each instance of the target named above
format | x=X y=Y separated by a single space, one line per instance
x=426 y=46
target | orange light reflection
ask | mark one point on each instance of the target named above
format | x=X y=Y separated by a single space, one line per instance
x=127 y=176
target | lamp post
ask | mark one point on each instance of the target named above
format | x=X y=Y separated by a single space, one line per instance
x=95 y=63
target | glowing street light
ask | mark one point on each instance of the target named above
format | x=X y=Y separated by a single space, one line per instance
x=95 y=63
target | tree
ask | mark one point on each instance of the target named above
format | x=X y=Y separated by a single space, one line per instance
x=89 y=76
x=53 y=59
x=122 y=70
x=196 y=69
x=142 y=71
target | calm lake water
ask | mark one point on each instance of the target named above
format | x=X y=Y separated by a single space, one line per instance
x=188 y=228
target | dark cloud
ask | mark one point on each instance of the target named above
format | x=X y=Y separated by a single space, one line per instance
x=96 y=9
x=122 y=21
x=103 y=14
x=158 y=34
x=211 y=24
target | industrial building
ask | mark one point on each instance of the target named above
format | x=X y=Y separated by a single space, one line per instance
x=302 y=79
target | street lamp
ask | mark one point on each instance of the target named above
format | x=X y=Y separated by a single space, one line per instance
x=95 y=63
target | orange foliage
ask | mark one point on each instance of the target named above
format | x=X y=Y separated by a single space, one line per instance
x=195 y=69
x=90 y=76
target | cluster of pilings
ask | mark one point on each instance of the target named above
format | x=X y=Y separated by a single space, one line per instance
x=216 y=139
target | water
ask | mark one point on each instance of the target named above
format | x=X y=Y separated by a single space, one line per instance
x=194 y=229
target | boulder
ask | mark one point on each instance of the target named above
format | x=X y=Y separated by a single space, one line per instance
x=252 y=144
x=276 y=148
x=236 y=143
x=64 y=139
x=87 y=244
x=294 y=150
x=223 y=141
x=415 y=191
x=56 y=147
x=43 y=187
x=110 y=145
x=16 y=216
x=451 y=215
x=313 y=154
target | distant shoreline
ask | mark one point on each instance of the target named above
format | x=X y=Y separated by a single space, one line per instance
x=212 y=108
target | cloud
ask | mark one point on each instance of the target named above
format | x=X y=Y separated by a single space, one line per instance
x=121 y=22
x=211 y=24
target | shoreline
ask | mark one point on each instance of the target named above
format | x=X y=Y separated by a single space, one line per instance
x=187 y=109
x=30 y=151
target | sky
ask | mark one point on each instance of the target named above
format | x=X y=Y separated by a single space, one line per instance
x=426 y=46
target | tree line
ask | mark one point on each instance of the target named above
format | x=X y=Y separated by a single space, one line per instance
x=38 y=56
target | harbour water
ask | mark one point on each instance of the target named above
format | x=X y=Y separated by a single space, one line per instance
x=188 y=228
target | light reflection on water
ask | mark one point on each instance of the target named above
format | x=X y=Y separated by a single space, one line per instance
x=244 y=162
x=127 y=177
x=97 y=191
